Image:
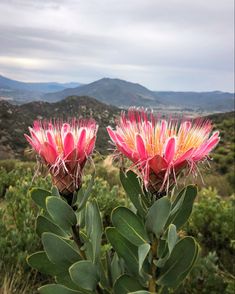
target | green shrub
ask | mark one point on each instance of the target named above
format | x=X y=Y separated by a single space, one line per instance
x=206 y=277
x=212 y=222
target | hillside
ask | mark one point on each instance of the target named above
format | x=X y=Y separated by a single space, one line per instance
x=111 y=91
x=123 y=94
x=214 y=101
x=14 y=120
x=119 y=93
x=22 y=92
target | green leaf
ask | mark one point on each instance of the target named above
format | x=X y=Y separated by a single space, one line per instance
x=40 y=261
x=94 y=228
x=171 y=237
x=180 y=216
x=82 y=196
x=126 y=284
x=57 y=289
x=55 y=191
x=161 y=248
x=84 y=273
x=179 y=263
x=116 y=270
x=158 y=215
x=43 y=225
x=59 y=251
x=39 y=196
x=140 y=292
x=65 y=280
x=133 y=189
x=124 y=249
x=129 y=225
x=61 y=212
x=143 y=251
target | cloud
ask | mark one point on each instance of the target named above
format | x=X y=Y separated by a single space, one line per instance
x=171 y=45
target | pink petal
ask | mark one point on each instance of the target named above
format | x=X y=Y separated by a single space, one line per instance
x=48 y=153
x=170 y=149
x=34 y=137
x=81 y=145
x=187 y=126
x=82 y=139
x=185 y=156
x=91 y=146
x=112 y=135
x=31 y=142
x=50 y=138
x=157 y=163
x=68 y=143
x=140 y=146
x=206 y=148
x=65 y=129
x=163 y=129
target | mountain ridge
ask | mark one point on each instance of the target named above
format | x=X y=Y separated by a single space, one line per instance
x=123 y=94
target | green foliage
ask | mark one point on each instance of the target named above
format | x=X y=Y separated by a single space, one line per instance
x=206 y=277
x=212 y=222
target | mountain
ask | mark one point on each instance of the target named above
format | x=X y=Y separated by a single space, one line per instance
x=119 y=93
x=15 y=119
x=110 y=91
x=210 y=101
x=22 y=92
x=123 y=94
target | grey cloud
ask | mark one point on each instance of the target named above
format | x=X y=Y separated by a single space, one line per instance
x=180 y=43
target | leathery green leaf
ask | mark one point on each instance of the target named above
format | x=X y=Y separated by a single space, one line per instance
x=129 y=225
x=59 y=251
x=180 y=215
x=43 y=225
x=143 y=251
x=126 y=284
x=179 y=263
x=133 y=189
x=85 y=274
x=158 y=215
x=39 y=196
x=171 y=237
x=94 y=228
x=61 y=212
x=40 y=261
x=124 y=249
x=57 y=289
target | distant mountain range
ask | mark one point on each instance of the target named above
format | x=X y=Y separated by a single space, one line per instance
x=119 y=93
x=25 y=92
x=15 y=119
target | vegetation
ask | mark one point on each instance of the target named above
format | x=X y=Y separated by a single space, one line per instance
x=211 y=223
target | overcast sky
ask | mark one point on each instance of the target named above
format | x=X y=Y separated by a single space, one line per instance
x=164 y=45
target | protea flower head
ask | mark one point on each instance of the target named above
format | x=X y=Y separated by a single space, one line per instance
x=64 y=148
x=160 y=149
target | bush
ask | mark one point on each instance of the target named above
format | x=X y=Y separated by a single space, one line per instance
x=213 y=224
x=206 y=277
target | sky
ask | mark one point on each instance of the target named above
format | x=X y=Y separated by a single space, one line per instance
x=180 y=45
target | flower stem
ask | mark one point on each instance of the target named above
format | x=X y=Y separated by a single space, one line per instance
x=152 y=281
x=77 y=240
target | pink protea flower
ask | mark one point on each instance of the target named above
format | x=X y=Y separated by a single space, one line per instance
x=64 y=148
x=160 y=149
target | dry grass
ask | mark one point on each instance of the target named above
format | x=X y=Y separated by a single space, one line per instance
x=16 y=283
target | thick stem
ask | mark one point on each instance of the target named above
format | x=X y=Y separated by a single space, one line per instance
x=98 y=289
x=77 y=240
x=152 y=281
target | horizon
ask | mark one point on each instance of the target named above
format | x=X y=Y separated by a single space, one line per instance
x=170 y=45
x=116 y=78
